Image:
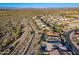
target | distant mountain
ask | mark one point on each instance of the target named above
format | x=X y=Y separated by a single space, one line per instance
x=14 y=8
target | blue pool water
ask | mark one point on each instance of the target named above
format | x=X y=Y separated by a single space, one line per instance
x=54 y=42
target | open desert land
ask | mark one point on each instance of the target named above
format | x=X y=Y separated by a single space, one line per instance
x=31 y=31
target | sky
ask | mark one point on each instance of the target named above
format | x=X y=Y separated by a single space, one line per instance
x=39 y=5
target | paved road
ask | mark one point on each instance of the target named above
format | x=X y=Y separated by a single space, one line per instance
x=73 y=47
